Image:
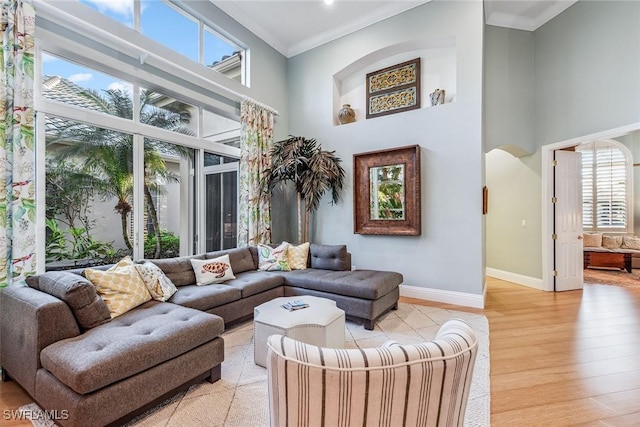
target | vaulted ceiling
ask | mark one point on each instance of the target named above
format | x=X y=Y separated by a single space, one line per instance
x=292 y=27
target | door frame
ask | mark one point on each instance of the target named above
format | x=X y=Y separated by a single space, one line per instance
x=548 y=191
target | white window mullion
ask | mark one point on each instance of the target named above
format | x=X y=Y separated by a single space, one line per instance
x=129 y=126
x=136 y=14
x=200 y=204
x=138 y=197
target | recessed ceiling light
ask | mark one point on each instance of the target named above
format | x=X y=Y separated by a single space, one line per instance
x=328 y=1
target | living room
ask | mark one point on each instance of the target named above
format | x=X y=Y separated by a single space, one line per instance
x=512 y=90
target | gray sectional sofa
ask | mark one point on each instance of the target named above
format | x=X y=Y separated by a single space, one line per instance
x=57 y=343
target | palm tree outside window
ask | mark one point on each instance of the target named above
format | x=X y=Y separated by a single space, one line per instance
x=606 y=186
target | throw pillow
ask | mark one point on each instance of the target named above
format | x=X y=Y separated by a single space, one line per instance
x=298 y=256
x=80 y=295
x=330 y=257
x=216 y=270
x=611 y=242
x=273 y=259
x=631 y=242
x=121 y=287
x=593 y=240
x=159 y=285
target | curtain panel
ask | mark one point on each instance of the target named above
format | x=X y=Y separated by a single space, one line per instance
x=256 y=139
x=17 y=151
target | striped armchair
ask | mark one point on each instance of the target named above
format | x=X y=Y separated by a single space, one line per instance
x=424 y=384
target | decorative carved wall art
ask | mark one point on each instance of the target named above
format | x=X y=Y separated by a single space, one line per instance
x=393 y=89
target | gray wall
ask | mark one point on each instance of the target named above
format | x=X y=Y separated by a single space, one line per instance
x=508 y=90
x=449 y=253
x=587 y=70
x=586 y=80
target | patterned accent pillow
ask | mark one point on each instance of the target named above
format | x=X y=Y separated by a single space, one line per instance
x=159 y=285
x=611 y=242
x=270 y=259
x=298 y=256
x=592 y=240
x=215 y=270
x=631 y=242
x=121 y=287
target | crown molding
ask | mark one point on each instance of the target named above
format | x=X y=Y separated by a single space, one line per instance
x=518 y=22
x=376 y=15
x=250 y=24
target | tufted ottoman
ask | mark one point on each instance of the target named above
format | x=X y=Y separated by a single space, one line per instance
x=321 y=324
x=129 y=361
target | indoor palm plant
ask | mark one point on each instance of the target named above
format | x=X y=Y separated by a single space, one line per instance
x=311 y=170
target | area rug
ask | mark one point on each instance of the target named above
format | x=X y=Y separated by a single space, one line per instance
x=239 y=399
x=613 y=277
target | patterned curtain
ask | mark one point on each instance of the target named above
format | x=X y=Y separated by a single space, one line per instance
x=256 y=138
x=17 y=153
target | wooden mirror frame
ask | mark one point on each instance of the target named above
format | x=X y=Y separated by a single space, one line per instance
x=409 y=156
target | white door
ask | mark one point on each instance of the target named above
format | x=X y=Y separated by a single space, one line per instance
x=568 y=220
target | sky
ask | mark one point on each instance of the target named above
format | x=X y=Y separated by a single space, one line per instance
x=156 y=18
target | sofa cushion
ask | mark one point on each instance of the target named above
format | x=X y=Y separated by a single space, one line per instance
x=241 y=259
x=329 y=257
x=121 y=287
x=178 y=270
x=205 y=297
x=132 y=343
x=215 y=270
x=365 y=284
x=592 y=240
x=80 y=295
x=630 y=242
x=611 y=242
x=255 y=282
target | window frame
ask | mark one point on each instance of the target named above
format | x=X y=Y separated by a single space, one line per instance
x=218 y=99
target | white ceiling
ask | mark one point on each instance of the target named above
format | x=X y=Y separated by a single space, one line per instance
x=294 y=26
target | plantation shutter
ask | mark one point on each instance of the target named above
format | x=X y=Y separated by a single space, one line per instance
x=587 y=189
x=604 y=187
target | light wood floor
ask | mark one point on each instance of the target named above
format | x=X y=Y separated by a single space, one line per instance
x=569 y=358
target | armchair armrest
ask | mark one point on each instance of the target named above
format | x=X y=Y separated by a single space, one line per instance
x=30 y=320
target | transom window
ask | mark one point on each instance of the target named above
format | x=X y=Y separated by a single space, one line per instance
x=168 y=23
x=606 y=186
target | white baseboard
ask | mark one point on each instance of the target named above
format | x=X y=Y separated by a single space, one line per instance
x=439 y=295
x=519 y=279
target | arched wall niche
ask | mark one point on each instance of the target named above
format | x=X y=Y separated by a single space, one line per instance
x=437 y=71
x=514 y=150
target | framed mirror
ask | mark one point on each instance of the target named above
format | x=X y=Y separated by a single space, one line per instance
x=386 y=192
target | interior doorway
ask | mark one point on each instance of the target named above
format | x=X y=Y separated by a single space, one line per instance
x=549 y=254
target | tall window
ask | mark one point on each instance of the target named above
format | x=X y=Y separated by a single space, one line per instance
x=124 y=158
x=606 y=186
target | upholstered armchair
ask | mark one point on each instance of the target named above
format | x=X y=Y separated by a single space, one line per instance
x=423 y=384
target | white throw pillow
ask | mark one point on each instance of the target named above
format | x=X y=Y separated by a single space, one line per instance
x=216 y=270
x=273 y=259
x=160 y=286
